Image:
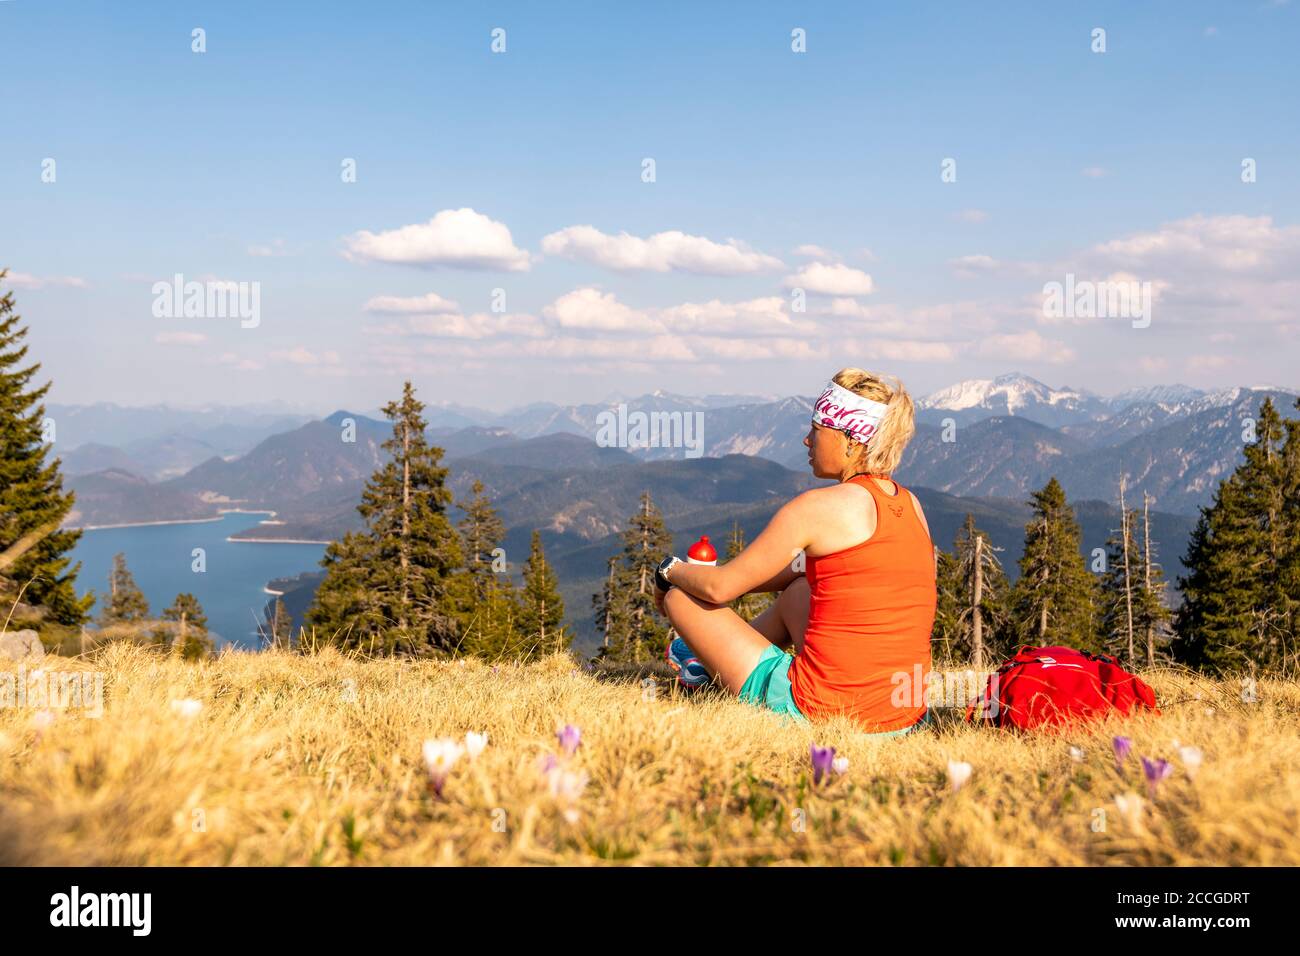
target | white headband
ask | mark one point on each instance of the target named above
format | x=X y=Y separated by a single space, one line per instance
x=849 y=412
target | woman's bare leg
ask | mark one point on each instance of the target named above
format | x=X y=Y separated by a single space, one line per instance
x=723 y=641
x=728 y=645
x=786 y=619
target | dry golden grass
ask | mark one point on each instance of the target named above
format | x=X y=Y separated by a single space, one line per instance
x=317 y=760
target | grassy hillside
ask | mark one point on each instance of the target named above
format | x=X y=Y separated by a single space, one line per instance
x=317 y=760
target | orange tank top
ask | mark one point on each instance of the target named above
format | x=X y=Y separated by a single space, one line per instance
x=866 y=652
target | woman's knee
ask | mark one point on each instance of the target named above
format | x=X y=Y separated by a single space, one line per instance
x=796 y=593
x=678 y=604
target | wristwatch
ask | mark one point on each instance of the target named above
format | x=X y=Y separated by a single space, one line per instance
x=661 y=572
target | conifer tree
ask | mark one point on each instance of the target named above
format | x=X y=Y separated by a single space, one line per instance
x=610 y=612
x=126 y=602
x=481 y=532
x=980 y=599
x=945 y=632
x=1289 y=564
x=490 y=609
x=1235 y=610
x=541 y=609
x=748 y=606
x=1116 y=592
x=1053 y=598
x=635 y=635
x=189 y=638
x=280 y=626
x=33 y=551
x=386 y=590
x=1151 y=615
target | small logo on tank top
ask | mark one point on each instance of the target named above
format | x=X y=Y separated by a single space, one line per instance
x=897 y=510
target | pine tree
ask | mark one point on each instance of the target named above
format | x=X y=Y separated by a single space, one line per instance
x=126 y=603
x=189 y=638
x=946 y=631
x=34 y=566
x=748 y=606
x=1151 y=616
x=389 y=589
x=628 y=605
x=1115 y=592
x=610 y=612
x=279 y=629
x=541 y=609
x=971 y=616
x=1289 y=564
x=490 y=610
x=1235 y=610
x=481 y=532
x=1053 y=599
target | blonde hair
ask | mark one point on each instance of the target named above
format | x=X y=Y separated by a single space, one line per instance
x=881 y=455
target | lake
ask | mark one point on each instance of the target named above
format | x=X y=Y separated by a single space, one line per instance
x=232 y=587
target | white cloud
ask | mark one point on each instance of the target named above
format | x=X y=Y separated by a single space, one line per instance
x=662 y=252
x=302 y=356
x=23 y=280
x=1226 y=243
x=659 y=348
x=910 y=350
x=1209 y=363
x=273 y=249
x=480 y=325
x=239 y=363
x=1025 y=346
x=180 y=338
x=814 y=252
x=824 y=279
x=970 y=266
x=430 y=303
x=750 y=350
x=596 y=310
x=765 y=316
x=454 y=238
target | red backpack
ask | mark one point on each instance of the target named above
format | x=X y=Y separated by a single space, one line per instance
x=1047 y=687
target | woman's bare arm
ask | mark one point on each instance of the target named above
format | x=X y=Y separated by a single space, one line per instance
x=766 y=565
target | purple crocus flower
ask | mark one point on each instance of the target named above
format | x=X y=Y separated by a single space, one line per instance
x=823 y=759
x=1122 y=747
x=1155 y=771
x=569 y=737
x=548 y=763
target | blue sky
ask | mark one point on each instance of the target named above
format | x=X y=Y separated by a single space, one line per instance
x=225 y=165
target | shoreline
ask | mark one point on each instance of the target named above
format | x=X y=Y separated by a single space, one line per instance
x=221 y=513
x=234 y=540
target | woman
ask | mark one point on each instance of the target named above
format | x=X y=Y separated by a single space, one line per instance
x=855 y=567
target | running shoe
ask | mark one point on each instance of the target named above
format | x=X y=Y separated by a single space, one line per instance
x=690 y=672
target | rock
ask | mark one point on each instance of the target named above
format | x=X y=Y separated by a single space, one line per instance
x=21 y=646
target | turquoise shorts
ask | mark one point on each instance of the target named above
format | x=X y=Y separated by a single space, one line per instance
x=768 y=685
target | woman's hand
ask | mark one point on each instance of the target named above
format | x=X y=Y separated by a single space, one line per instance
x=659 y=601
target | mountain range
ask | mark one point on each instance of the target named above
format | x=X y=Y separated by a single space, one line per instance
x=980 y=446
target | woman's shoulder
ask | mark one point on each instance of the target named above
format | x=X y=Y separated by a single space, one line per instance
x=831 y=497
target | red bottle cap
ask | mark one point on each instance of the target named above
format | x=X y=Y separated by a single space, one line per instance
x=701 y=552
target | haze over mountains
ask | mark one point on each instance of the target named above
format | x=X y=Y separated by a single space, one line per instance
x=980 y=446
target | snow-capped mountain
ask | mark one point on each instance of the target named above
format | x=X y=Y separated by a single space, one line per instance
x=1014 y=394
x=1155 y=394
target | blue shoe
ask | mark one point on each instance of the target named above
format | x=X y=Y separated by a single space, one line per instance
x=690 y=672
